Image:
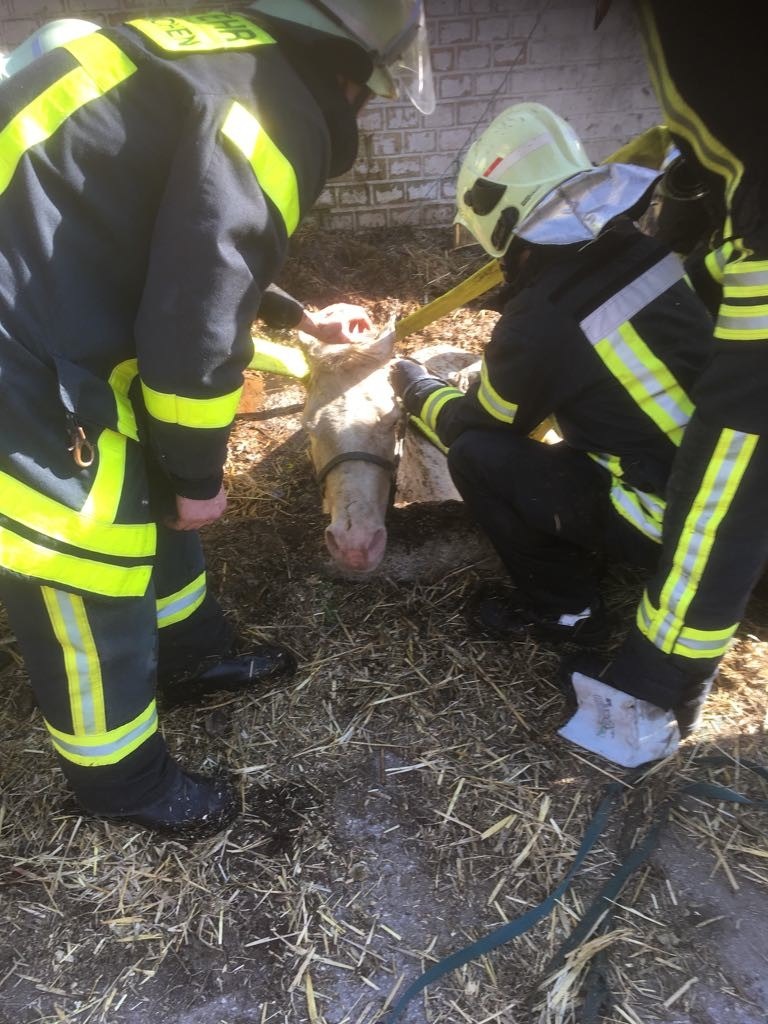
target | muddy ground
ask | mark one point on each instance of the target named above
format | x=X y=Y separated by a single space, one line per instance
x=404 y=794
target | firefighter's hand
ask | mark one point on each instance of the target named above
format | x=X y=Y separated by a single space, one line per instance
x=338 y=324
x=193 y=513
x=412 y=382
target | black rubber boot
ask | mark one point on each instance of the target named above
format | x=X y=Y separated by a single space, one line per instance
x=508 y=617
x=188 y=805
x=226 y=674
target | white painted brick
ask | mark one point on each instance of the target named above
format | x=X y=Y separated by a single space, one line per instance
x=336 y=221
x=473 y=58
x=443 y=58
x=451 y=87
x=425 y=190
x=387 y=143
x=352 y=195
x=398 y=117
x=439 y=215
x=450 y=32
x=436 y=166
x=420 y=142
x=404 y=167
x=513 y=52
x=371 y=219
x=474 y=113
x=384 y=195
x=491 y=30
x=406 y=216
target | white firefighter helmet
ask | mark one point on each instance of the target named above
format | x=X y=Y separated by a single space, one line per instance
x=391 y=32
x=529 y=175
x=54 y=33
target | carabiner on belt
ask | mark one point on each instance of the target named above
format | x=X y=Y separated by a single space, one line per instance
x=81 y=448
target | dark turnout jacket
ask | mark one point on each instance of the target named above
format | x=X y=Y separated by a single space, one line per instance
x=150 y=178
x=607 y=340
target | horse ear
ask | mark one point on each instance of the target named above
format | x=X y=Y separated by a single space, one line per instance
x=382 y=348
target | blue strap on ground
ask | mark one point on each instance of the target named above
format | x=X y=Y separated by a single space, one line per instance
x=608 y=893
x=513 y=929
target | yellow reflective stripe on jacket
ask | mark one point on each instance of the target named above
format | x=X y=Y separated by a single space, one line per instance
x=717 y=260
x=179 y=606
x=103 y=66
x=196 y=33
x=434 y=403
x=273 y=170
x=681 y=118
x=81 y=661
x=743 y=312
x=629 y=301
x=120 y=381
x=648 y=380
x=106 y=747
x=17 y=554
x=492 y=401
x=104 y=496
x=729 y=462
x=645 y=511
x=691 y=642
x=202 y=413
x=37 y=511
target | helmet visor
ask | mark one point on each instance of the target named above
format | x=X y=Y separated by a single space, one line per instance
x=412 y=68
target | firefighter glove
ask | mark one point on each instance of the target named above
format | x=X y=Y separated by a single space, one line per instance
x=412 y=382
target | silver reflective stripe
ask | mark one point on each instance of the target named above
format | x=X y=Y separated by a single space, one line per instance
x=643 y=377
x=715 y=646
x=634 y=506
x=103 y=750
x=630 y=300
x=82 y=664
x=181 y=602
x=750 y=279
x=742 y=323
x=699 y=535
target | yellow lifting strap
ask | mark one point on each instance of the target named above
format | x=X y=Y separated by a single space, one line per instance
x=272 y=357
x=648 y=149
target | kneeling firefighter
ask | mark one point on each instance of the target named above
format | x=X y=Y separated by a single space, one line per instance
x=599 y=332
x=152 y=174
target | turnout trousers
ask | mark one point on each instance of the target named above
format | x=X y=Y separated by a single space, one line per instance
x=715 y=537
x=547 y=511
x=93 y=664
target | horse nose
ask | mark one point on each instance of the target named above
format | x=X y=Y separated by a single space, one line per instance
x=360 y=551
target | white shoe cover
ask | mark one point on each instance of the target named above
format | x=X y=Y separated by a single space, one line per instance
x=627 y=731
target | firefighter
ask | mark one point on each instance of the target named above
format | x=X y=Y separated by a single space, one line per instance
x=715 y=540
x=151 y=175
x=600 y=333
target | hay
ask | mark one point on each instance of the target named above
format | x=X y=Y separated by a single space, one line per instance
x=402 y=796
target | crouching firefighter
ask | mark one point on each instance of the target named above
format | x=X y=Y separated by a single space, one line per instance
x=599 y=332
x=151 y=175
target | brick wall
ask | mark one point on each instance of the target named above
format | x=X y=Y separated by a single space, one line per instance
x=486 y=54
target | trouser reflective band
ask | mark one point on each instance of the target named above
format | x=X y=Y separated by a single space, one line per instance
x=179 y=606
x=690 y=642
x=90 y=742
x=719 y=485
x=108 y=747
x=92 y=666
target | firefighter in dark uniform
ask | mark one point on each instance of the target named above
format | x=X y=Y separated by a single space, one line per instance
x=707 y=69
x=601 y=334
x=151 y=175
